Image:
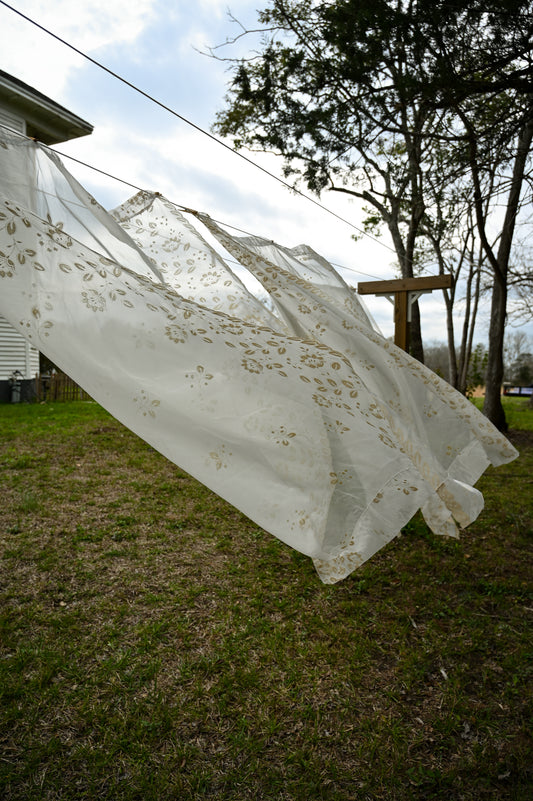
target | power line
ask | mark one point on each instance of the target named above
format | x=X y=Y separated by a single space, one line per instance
x=142 y=189
x=195 y=126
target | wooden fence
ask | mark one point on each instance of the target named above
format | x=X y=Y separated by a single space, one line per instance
x=58 y=387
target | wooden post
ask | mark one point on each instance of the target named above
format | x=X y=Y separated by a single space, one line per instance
x=405 y=291
x=401 y=320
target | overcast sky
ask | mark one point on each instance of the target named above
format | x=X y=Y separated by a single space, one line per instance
x=157 y=45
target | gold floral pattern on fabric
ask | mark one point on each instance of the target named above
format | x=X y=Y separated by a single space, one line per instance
x=306 y=419
x=220 y=457
x=147 y=406
x=184 y=259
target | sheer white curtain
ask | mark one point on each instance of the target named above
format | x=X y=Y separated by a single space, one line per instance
x=306 y=419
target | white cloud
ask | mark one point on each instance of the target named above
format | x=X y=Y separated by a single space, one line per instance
x=40 y=60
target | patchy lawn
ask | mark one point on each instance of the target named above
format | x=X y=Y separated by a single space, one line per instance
x=157 y=646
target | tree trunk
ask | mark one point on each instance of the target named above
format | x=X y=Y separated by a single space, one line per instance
x=450 y=332
x=492 y=407
x=416 y=347
x=469 y=328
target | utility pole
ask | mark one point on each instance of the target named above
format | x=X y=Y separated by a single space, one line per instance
x=403 y=292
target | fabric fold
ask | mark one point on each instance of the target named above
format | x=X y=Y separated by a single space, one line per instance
x=304 y=418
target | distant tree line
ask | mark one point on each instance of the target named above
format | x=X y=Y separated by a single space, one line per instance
x=518 y=361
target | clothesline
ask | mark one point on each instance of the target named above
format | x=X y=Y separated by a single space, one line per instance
x=179 y=206
x=307 y=420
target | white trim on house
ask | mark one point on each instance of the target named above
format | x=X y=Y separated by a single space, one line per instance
x=44 y=119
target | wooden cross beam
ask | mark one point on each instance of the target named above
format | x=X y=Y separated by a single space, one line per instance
x=405 y=291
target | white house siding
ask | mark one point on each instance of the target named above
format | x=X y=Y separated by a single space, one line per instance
x=23 y=110
x=16 y=353
x=10 y=120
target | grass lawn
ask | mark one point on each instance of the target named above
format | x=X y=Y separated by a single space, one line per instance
x=155 y=645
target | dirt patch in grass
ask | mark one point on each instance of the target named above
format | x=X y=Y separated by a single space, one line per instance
x=520 y=439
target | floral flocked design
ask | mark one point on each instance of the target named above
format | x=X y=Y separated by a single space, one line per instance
x=306 y=419
x=94 y=300
x=146 y=406
x=219 y=458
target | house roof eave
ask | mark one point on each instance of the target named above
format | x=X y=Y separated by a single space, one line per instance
x=46 y=120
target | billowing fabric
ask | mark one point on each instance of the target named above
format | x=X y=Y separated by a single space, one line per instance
x=304 y=417
x=185 y=261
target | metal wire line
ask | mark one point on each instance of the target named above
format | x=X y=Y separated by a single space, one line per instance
x=173 y=202
x=195 y=126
